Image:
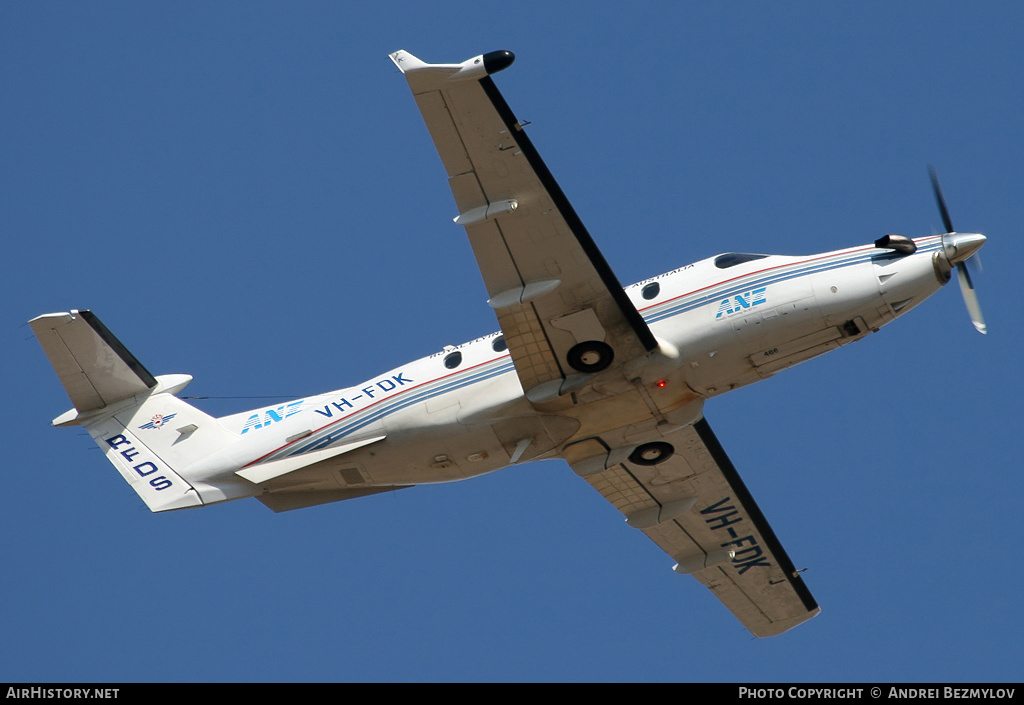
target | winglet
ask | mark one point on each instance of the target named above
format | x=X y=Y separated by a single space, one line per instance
x=424 y=77
x=407 y=63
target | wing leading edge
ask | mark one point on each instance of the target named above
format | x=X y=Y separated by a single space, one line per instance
x=561 y=308
x=696 y=508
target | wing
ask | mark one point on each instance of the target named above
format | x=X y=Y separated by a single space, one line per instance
x=697 y=509
x=562 y=310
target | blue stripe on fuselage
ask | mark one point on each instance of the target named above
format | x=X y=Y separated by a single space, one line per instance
x=688 y=302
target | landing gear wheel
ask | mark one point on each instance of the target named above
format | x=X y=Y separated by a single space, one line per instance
x=652 y=453
x=590 y=356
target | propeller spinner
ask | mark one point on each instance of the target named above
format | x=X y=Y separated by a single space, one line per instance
x=960 y=249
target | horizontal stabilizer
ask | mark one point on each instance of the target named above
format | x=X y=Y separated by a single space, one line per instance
x=94 y=367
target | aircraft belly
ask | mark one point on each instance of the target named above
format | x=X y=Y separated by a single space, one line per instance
x=465 y=433
x=450 y=441
x=847 y=292
x=731 y=359
x=440 y=454
x=820 y=312
x=847 y=306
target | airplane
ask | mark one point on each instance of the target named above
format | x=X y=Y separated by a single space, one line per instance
x=611 y=379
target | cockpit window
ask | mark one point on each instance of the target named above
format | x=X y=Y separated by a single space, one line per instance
x=731 y=259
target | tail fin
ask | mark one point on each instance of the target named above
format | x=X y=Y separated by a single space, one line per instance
x=134 y=417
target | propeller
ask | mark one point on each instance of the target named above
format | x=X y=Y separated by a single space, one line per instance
x=960 y=249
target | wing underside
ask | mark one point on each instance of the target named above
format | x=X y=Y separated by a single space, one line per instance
x=551 y=288
x=697 y=509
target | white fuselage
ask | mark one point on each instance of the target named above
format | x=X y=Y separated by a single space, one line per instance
x=452 y=416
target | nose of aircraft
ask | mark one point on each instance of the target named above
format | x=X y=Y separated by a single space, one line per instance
x=959 y=246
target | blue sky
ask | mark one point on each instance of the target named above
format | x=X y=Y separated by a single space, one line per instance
x=245 y=192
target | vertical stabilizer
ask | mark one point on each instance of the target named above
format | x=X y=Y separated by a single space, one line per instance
x=151 y=436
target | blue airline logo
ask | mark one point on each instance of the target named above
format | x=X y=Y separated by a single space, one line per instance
x=741 y=302
x=269 y=416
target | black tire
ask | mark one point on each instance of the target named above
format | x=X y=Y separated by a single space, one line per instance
x=590 y=356
x=652 y=453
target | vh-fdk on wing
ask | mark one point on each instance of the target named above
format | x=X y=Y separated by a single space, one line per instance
x=613 y=380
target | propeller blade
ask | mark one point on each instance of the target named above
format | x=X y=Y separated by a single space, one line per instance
x=970 y=297
x=946 y=220
x=960 y=249
x=974 y=264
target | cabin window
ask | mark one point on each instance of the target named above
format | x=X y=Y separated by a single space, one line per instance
x=453 y=360
x=731 y=259
x=498 y=344
x=651 y=290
